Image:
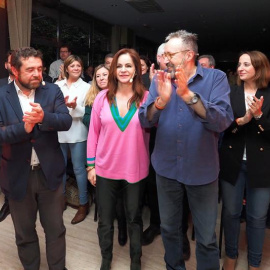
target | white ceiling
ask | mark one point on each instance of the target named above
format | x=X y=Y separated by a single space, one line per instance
x=222 y=25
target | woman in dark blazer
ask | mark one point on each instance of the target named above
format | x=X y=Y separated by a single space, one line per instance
x=244 y=159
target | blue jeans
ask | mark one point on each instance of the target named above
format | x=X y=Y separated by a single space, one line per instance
x=203 y=202
x=78 y=158
x=257 y=202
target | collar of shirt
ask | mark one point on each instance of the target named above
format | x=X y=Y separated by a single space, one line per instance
x=20 y=92
x=199 y=70
x=9 y=80
x=75 y=84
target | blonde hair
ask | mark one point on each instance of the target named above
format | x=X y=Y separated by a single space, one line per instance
x=94 y=89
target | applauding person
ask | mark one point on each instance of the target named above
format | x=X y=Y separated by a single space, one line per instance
x=74 y=140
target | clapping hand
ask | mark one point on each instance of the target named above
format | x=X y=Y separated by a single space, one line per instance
x=71 y=104
x=31 y=118
x=164 y=86
x=152 y=72
x=255 y=105
x=181 y=82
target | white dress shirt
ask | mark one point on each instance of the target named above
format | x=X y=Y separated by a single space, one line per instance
x=78 y=131
x=54 y=70
x=26 y=107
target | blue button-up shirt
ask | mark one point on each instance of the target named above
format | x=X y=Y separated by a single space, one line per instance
x=186 y=147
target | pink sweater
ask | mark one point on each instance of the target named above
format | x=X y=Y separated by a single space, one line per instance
x=117 y=154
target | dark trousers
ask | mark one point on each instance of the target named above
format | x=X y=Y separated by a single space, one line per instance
x=120 y=211
x=50 y=205
x=186 y=212
x=152 y=198
x=107 y=192
x=203 y=202
x=151 y=185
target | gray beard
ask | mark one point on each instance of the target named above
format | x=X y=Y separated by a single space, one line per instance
x=29 y=86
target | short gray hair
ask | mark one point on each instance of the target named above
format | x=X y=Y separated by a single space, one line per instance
x=188 y=39
x=160 y=50
x=211 y=59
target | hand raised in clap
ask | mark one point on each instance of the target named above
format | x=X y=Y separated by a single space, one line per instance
x=71 y=104
x=31 y=118
x=181 y=82
x=164 y=86
x=255 y=105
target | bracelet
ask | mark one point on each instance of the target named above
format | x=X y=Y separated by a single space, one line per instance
x=257 y=117
x=157 y=106
x=88 y=169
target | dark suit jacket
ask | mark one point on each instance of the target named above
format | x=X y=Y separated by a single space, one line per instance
x=255 y=136
x=17 y=144
x=3 y=81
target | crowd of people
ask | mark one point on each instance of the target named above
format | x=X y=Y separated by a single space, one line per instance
x=169 y=138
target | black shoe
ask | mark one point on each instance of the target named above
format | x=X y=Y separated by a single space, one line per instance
x=186 y=248
x=4 y=212
x=149 y=234
x=122 y=233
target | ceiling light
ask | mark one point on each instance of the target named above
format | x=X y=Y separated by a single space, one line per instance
x=145 y=6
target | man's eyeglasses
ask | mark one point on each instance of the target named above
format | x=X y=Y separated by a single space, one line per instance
x=171 y=55
x=63 y=51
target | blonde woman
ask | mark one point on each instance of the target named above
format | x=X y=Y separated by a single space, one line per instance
x=99 y=82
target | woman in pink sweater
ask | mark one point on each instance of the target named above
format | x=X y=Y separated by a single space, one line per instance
x=117 y=153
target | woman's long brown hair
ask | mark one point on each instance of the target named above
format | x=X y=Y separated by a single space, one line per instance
x=137 y=85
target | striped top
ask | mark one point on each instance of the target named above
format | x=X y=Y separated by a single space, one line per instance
x=117 y=146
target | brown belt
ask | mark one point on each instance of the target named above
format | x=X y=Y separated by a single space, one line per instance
x=35 y=167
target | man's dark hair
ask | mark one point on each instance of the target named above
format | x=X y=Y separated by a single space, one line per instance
x=211 y=59
x=25 y=53
x=8 y=54
x=65 y=46
x=109 y=55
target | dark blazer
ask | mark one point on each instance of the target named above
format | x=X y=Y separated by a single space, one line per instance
x=255 y=136
x=17 y=144
x=3 y=81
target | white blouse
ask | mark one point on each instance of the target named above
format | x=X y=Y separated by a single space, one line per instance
x=246 y=104
x=78 y=131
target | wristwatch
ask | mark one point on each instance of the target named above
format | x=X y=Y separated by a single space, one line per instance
x=193 y=100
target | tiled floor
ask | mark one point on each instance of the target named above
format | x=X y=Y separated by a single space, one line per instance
x=83 y=250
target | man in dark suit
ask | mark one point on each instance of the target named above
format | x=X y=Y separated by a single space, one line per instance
x=4 y=212
x=3 y=81
x=32 y=164
x=10 y=77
